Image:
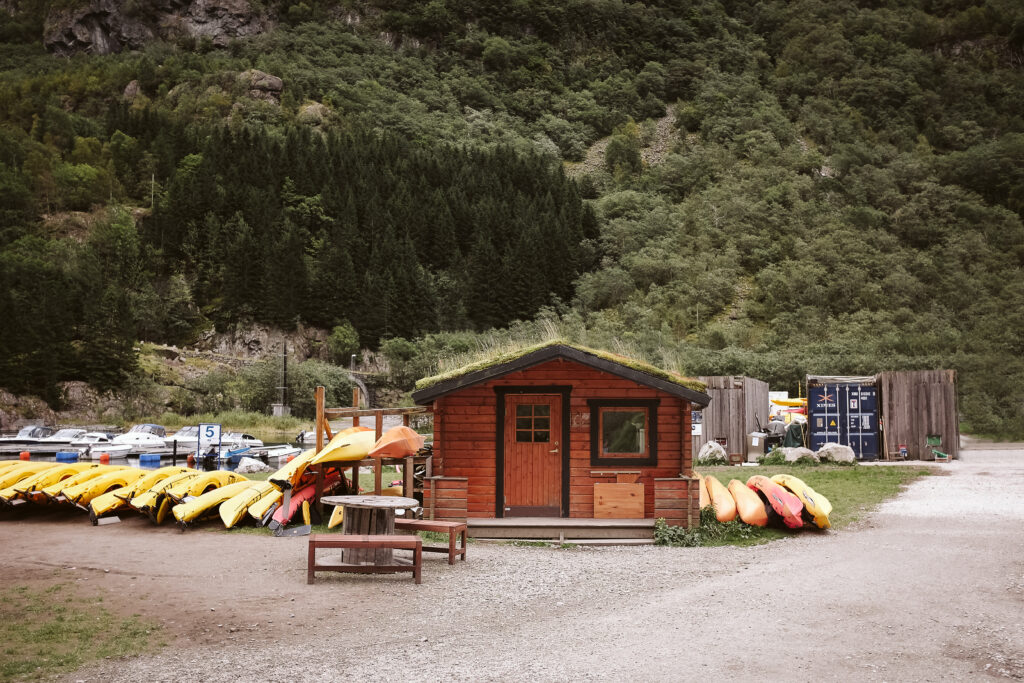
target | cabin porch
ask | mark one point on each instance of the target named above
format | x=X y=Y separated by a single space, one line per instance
x=564 y=530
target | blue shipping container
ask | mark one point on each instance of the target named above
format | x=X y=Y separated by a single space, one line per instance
x=844 y=413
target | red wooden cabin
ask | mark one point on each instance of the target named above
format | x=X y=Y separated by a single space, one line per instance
x=562 y=431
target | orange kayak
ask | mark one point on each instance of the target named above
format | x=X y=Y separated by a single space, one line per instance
x=748 y=504
x=783 y=503
x=705 y=499
x=721 y=500
x=397 y=442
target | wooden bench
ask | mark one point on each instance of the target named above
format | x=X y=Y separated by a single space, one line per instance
x=399 y=542
x=453 y=529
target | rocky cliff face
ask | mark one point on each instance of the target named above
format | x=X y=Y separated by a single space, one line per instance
x=106 y=26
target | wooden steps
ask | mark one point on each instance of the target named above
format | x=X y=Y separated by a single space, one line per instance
x=561 y=530
x=590 y=542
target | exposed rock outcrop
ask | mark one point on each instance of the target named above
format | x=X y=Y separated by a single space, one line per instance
x=18 y=411
x=259 y=341
x=262 y=86
x=105 y=26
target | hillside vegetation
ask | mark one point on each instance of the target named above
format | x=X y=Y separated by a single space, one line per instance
x=842 y=190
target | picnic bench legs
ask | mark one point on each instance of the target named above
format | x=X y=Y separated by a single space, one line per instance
x=453 y=529
x=363 y=542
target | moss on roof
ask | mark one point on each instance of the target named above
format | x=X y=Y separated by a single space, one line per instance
x=632 y=363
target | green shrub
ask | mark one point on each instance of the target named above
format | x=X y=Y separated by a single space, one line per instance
x=710 y=532
x=774 y=458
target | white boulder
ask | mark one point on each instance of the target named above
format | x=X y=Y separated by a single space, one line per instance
x=836 y=452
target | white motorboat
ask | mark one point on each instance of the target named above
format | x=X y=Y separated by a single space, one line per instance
x=92 y=446
x=28 y=435
x=187 y=438
x=143 y=436
x=64 y=436
x=240 y=440
x=281 y=450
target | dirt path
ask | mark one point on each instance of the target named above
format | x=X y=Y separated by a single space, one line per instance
x=931 y=588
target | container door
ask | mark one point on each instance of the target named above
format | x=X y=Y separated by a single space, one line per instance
x=823 y=415
x=533 y=456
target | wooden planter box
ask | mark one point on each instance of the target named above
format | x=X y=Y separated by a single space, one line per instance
x=618 y=501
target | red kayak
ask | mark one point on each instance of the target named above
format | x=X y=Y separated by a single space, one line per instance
x=282 y=516
x=782 y=502
x=397 y=442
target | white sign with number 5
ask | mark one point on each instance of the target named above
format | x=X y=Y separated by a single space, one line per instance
x=209 y=435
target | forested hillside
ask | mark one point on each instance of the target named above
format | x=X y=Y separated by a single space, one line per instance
x=843 y=189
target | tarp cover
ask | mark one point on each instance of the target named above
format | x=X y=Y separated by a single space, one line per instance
x=830 y=379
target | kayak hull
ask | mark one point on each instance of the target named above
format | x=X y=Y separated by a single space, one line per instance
x=721 y=500
x=749 y=506
x=816 y=506
x=783 y=503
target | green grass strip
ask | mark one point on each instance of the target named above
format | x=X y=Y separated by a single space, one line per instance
x=47 y=632
x=853 y=492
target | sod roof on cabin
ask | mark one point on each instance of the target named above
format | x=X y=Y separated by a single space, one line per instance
x=430 y=388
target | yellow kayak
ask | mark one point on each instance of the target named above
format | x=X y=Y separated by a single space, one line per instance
x=289 y=475
x=118 y=498
x=8 y=464
x=83 y=494
x=206 y=481
x=265 y=506
x=26 y=487
x=54 y=492
x=337 y=517
x=232 y=510
x=192 y=508
x=353 y=447
x=12 y=475
x=150 y=499
x=816 y=505
x=721 y=500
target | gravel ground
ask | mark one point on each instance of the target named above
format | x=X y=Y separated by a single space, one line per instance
x=931 y=587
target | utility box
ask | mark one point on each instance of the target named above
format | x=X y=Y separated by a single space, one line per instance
x=755 y=446
x=844 y=410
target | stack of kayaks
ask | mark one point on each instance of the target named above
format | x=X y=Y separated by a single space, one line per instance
x=189 y=495
x=782 y=500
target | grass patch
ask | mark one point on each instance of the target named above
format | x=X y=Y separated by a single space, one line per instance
x=49 y=632
x=853 y=491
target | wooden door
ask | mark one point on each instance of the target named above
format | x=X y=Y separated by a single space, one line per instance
x=533 y=456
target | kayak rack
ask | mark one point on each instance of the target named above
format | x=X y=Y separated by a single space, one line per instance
x=422 y=460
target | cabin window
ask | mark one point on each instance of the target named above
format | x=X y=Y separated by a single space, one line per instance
x=623 y=432
x=533 y=423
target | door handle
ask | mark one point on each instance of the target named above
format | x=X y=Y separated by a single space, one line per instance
x=555 y=450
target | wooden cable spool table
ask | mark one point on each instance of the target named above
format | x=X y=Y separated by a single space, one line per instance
x=373 y=516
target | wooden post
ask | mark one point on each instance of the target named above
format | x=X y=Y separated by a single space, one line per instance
x=379 y=418
x=355 y=397
x=319 y=491
x=408 y=488
x=378 y=475
x=320 y=392
x=405 y=419
x=355 y=479
x=689 y=508
x=433 y=497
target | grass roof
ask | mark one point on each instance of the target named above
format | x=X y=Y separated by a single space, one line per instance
x=632 y=363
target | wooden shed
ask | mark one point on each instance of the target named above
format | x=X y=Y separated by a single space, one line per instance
x=562 y=431
x=739 y=405
x=918 y=407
